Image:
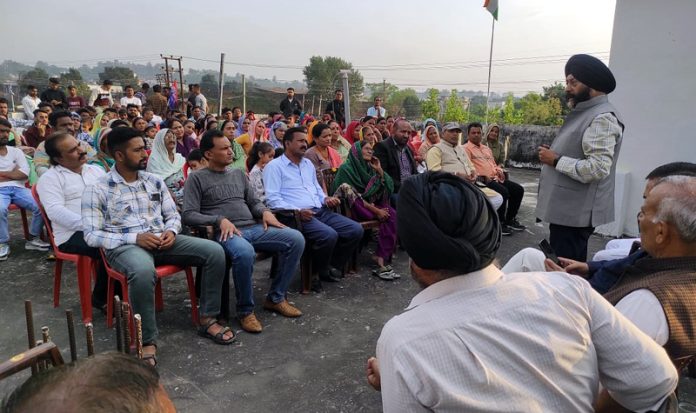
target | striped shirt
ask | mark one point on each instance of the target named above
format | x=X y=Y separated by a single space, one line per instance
x=114 y=211
x=598 y=143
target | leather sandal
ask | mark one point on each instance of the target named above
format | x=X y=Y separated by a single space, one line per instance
x=218 y=338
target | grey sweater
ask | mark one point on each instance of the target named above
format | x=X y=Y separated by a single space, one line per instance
x=210 y=196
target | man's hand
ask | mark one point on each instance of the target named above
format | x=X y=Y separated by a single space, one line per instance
x=500 y=175
x=373 y=373
x=270 y=220
x=228 y=230
x=552 y=266
x=332 y=201
x=546 y=155
x=148 y=241
x=167 y=240
x=574 y=267
x=306 y=214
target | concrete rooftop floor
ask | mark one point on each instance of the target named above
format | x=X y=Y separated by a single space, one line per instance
x=315 y=363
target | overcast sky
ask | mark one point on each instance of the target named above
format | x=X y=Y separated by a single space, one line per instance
x=419 y=44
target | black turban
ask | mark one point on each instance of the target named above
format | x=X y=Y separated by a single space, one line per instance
x=592 y=72
x=446 y=223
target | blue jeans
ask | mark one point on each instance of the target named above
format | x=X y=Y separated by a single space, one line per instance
x=23 y=199
x=333 y=237
x=287 y=242
x=138 y=265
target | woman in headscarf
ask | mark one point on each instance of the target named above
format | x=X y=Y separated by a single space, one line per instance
x=103 y=159
x=368 y=192
x=276 y=134
x=242 y=126
x=353 y=132
x=369 y=134
x=492 y=140
x=322 y=155
x=238 y=154
x=167 y=163
x=310 y=127
x=432 y=137
x=338 y=142
x=256 y=133
x=98 y=125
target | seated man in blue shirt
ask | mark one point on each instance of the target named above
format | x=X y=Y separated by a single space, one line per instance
x=131 y=215
x=291 y=182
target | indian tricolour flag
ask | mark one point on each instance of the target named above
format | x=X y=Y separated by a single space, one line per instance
x=492 y=7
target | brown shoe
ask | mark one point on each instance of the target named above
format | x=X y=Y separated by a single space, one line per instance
x=251 y=324
x=283 y=308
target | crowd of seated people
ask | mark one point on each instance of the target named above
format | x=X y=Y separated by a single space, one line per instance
x=127 y=183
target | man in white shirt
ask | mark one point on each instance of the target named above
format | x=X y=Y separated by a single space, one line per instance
x=60 y=191
x=14 y=171
x=130 y=98
x=31 y=101
x=478 y=340
x=377 y=111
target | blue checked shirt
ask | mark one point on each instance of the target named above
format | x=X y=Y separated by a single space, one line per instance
x=114 y=212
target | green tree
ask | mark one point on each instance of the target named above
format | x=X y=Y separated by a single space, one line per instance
x=36 y=76
x=323 y=78
x=431 y=105
x=511 y=115
x=403 y=102
x=454 y=109
x=537 y=111
x=384 y=89
x=557 y=90
x=74 y=77
x=119 y=75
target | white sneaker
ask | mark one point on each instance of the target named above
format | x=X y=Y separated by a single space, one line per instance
x=4 y=251
x=37 y=244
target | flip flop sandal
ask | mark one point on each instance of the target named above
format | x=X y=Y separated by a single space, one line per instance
x=383 y=273
x=219 y=337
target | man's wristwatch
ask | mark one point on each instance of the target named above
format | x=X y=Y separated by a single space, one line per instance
x=555 y=161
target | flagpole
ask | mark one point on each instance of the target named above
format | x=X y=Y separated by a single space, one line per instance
x=490 y=65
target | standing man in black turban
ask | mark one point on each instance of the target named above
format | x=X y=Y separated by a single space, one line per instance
x=478 y=340
x=576 y=186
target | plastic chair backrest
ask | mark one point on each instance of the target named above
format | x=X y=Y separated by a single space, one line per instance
x=47 y=222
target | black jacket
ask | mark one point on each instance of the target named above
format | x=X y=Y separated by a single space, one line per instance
x=336 y=108
x=49 y=94
x=288 y=108
x=388 y=154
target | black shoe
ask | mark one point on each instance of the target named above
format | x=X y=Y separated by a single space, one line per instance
x=336 y=273
x=515 y=225
x=316 y=286
x=329 y=277
x=506 y=230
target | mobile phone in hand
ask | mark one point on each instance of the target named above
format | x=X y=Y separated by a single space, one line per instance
x=548 y=251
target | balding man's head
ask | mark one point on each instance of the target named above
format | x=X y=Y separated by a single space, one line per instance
x=667 y=219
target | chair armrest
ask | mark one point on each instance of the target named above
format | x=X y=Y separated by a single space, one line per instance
x=289 y=217
x=203 y=231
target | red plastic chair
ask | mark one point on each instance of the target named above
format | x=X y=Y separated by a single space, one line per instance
x=86 y=268
x=163 y=271
x=186 y=170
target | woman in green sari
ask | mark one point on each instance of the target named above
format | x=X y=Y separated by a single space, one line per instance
x=239 y=155
x=362 y=182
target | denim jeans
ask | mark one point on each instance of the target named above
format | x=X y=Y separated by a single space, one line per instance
x=287 y=242
x=23 y=199
x=138 y=265
x=333 y=237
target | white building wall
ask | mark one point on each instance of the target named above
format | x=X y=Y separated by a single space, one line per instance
x=653 y=57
